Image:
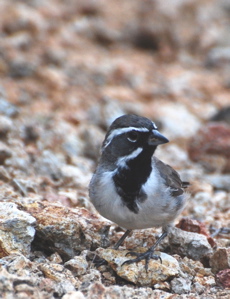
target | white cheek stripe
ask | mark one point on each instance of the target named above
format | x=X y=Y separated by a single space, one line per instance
x=121 y=162
x=117 y=132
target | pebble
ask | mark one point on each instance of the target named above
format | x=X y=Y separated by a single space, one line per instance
x=180 y=285
x=17 y=230
x=193 y=245
x=222 y=115
x=223 y=278
x=5 y=152
x=89 y=278
x=220 y=182
x=104 y=114
x=93 y=138
x=6 y=126
x=21 y=68
x=218 y=56
x=75 y=176
x=198 y=288
x=74 y=295
x=49 y=165
x=55 y=258
x=176 y=124
x=4 y=174
x=220 y=260
x=58 y=273
x=8 y=109
x=78 y=265
x=214 y=156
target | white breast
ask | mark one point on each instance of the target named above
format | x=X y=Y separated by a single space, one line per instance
x=157 y=210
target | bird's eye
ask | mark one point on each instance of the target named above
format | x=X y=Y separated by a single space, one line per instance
x=132 y=136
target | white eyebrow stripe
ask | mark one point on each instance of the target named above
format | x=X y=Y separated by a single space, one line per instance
x=120 y=131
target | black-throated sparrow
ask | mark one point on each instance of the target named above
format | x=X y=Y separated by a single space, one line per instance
x=133 y=188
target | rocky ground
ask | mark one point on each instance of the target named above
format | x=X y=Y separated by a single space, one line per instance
x=67 y=69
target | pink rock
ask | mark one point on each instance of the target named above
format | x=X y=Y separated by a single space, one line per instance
x=211 y=147
x=223 y=278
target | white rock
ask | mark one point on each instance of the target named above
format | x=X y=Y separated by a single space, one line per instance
x=189 y=244
x=177 y=121
x=180 y=285
x=16 y=230
x=74 y=295
x=136 y=272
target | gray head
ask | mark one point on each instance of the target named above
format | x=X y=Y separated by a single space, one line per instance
x=129 y=133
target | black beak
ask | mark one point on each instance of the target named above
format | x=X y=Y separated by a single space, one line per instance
x=157 y=138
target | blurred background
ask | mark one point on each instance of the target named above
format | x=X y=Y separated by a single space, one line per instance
x=69 y=68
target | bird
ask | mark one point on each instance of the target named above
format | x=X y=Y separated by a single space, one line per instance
x=131 y=186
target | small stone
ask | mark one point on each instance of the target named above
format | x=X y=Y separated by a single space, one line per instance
x=19 y=187
x=48 y=165
x=220 y=182
x=96 y=290
x=74 y=295
x=222 y=115
x=30 y=134
x=6 y=125
x=198 y=288
x=20 y=40
x=104 y=114
x=223 y=278
x=220 y=260
x=23 y=287
x=7 y=108
x=73 y=174
x=109 y=277
x=136 y=273
x=218 y=56
x=54 y=56
x=103 y=34
x=93 y=138
x=24 y=186
x=55 y=258
x=190 y=268
x=5 y=153
x=193 y=245
x=207 y=281
x=162 y=285
x=175 y=124
x=180 y=286
x=21 y=68
x=17 y=264
x=212 y=155
x=16 y=230
x=78 y=265
x=192 y=225
x=4 y=175
x=73 y=146
x=88 y=279
x=58 y=273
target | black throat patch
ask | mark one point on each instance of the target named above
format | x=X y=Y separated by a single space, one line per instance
x=130 y=179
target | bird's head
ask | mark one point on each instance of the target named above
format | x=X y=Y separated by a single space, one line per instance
x=129 y=135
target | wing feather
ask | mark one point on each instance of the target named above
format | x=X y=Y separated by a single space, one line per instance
x=171 y=178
